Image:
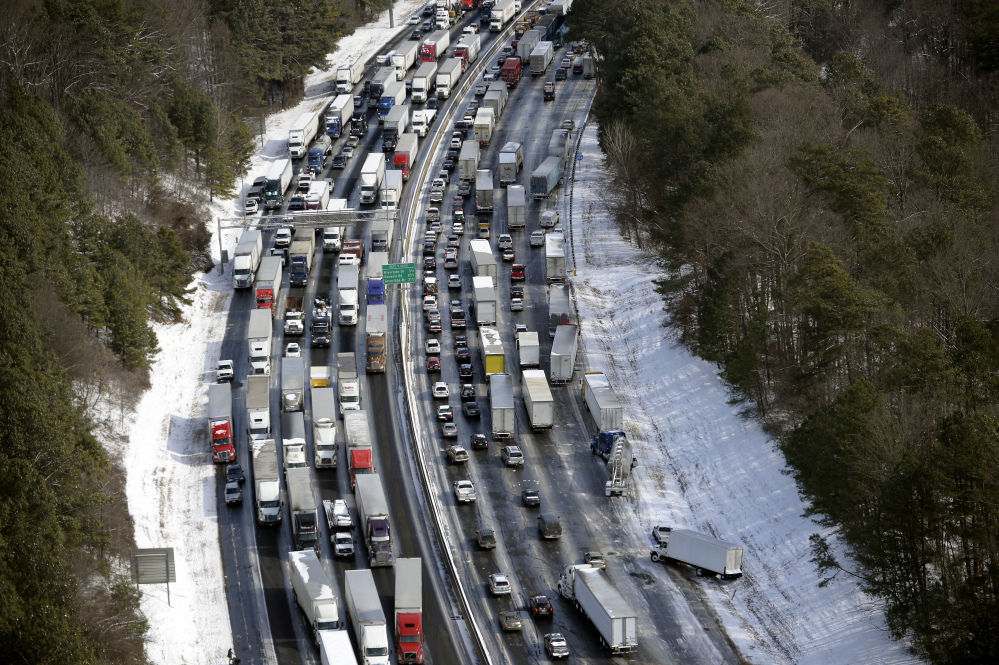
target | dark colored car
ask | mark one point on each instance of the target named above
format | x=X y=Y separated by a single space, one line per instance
x=467 y=392
x=462 y=354
x=465 y=372
x=297 y=202
x=561 y=75
x=429 y=263
x=516 y=291
x=479 y=442
x=452 y=153
x=460 y=341
x=471 y=409
x=531 y=497
x=433 y=364
x=339 y=161
x=449 y=165
x=541 y=607
x=416 y=35
x=432 y=103
x=429 y=247
x=234 y=473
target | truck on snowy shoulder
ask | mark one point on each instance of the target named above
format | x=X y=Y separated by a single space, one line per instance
x=707 y=554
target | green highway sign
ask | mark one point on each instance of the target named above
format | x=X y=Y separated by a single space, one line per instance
x=399 y=273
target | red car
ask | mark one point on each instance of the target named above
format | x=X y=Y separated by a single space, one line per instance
x=517 y=271
x=433 y=364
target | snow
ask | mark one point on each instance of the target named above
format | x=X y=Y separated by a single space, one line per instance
x=170 y=482
x=704 y=465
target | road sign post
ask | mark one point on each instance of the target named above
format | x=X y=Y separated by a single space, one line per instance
x=399 y=273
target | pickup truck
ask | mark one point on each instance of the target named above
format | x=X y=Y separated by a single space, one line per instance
x=224 y=371
x=437 y=191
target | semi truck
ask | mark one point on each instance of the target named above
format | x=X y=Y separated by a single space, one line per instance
x=395 y=123
x=347 y=285
x=338 y=115
x=318 y=196
x=502 y=12
x=376 y=339
x=555 y=257
x=383 y=76
x=564 y=353
x=422 y=119
x=324 y=443
x=516 y=206
x=602 y=402
x=447 y=77
x=278 y=182
x=258 y=407
x=390 y=194
x=409 y=610
x=322 y=333
x=381 y=230
x=293 y=441
x=349 y=393
x=406 y=150
x=372 y=173
x=593 y=594
x=538 y=399
x=468 y=160
x=707 y=554
x=559 y=145
x=294 y=316
x=529 y=349
x=493 y=358
x=494 y=101
x=349 y=73
x=247 y=259
x=467 y=49
x=560 y=7
x=483 y=260
x=404 y=57
x=546 y=177
x=304 y=515
x=376 y=285
x=434 y=46
x=501 y=409
x=333 y=237
x=259 y=341
x=364 y=608
x=541 y=57
x=424 y=81
x=357 y=437
x=267 y=285
x=484 y=294
x=372 y=507
x=393 y=95
x=558 y=307
x=301 y=133
x=484 y=190
x=220 y=422
x=300 y=255
x=266 y=482
x=511 y=160
x=619 y=465
x=511 y=71
x=292 y=384
x=314 y=593
x=589 y=67
x=483 y=125
x=526 y=45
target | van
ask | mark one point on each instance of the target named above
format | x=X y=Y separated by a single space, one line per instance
x=549 y=526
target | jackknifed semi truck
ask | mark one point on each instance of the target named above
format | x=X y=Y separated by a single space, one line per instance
x=707 y=554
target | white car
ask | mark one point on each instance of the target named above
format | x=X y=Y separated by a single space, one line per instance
x=537 y=239
x=516 y=304
x=292 y=350
x=415 y=19
x=429 y=303
x=343 y=544
x=458 y=228
x=432 y=347
x=499 y=584
x=481 y=89
x=250 y=207
x=464 y=491
x=440 y=390
x=436 y=227
x=453 y=282
x=282 y=238
x=505 y=241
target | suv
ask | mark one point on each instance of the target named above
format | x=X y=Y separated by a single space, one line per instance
x=504 y=241
x=549 y=91
x=541 y=607
x=456 y=454
x=486 y=538
x=549 y=526
x=512 y=456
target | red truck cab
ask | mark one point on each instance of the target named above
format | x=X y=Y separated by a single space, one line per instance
x=359 y=461
x=222 y=448
x=409 y=637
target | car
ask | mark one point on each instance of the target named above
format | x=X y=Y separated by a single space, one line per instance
x=464 y=189
x=449 y=431
x=569 y=124
x=480 y=89
x=429 y=303
x=465 y=372
x=457 y=228
x=449 y=165
x=352 y=142
x=432 y=103
x=500 y=60
x=504 y=241
x=292 y=350
x=510 y=621
x=516 y=304
x=453 y=282
x=471 y=409
x=467 y=392
x=512 y=456
x=548 y=90
x=555 y=646
x=660 y=534
x=452 y=153
x=297 y=202
x=537 y=239
x=281 y=253
x=499 y=584
x=562 y=74
x=565 y=64
x=456 y=139
x=456 y=454
x=450 y=261
x=458 y=217
x=234 y=474
x=343 y=544
x=432 y=346
x=416 y=35
x=347 y=152
x=472 y=28
x=457 y=205
x=463 y=354
x=517 y=291
x=433 y=314
x=414 y=19
x=260 y=181
x=519 y=328
x=485 y=537
x=436 y=227
x=595 y=559
x=460 y=341
x=250 y=207
x=434 y=326
x=341 y=515
x=453 y=242
x=433 y=364
x=541 y=607
x=282 y=238
x=508 y=255
x=428 y=10
x=429 y=247
x=433 y=215
x=478 y=442
x=429 y=263
x=339 y=162
x=495 y=70
x=440 y=390
x=429 y=283
x=549 y=526
x=445 y=414
x=531 y=497
x=233 y=494
x=517 y=271
x=426 y=26
x=464 y=491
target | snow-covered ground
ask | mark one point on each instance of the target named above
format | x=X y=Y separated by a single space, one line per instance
x=703 y=465
x=171 y=485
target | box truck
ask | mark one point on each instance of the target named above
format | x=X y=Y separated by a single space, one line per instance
x=501 y=409
x=493 y=358
x=516 y=207
x=484 y=300
x=564 y=353
x=511 y=160
x=538 y=399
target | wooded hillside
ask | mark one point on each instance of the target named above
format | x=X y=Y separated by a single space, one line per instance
x=819 y=179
